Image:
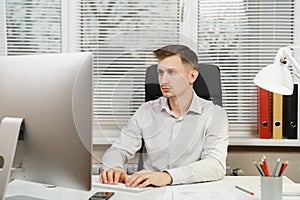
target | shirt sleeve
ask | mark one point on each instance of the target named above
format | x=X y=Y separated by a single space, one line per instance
x=125 y=147
x=212 y=165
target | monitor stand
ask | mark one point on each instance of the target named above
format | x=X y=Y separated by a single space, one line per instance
x=9 y=134
x=21 y=197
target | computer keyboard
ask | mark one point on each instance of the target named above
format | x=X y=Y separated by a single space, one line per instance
x=118 y=187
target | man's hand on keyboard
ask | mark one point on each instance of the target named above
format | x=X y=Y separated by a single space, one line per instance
x=144 y=178
x=113 y=176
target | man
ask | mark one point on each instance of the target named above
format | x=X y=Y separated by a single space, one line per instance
x=186 y=137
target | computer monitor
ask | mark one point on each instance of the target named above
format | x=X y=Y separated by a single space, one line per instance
x=52 y=95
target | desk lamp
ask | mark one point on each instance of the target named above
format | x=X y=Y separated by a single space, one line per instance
x=277 y=77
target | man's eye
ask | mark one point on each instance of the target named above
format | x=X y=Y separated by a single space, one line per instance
x=160 y=72
x=171 y=72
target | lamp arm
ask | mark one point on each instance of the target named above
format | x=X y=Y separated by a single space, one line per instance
x=288 y=53
x=297 y=74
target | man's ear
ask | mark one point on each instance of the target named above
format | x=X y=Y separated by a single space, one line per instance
x=193 y=76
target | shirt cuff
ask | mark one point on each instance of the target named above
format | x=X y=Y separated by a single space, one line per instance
x=112 y=159
x=178 y=176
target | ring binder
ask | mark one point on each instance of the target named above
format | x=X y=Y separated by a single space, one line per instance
x=290 y=114
x=264 y=113
x=277 y=116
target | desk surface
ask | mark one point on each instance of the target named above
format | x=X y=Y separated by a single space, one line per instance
x=224 y=189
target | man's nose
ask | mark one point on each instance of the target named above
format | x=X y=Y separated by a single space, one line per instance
x=164 y=78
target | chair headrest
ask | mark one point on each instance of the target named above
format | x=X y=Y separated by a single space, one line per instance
x=206 y=86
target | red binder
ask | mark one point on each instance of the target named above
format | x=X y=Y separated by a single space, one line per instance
x=263 y=117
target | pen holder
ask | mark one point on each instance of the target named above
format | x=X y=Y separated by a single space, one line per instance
x=271 y=188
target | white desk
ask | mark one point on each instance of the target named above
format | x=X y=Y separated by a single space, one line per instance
x=224 y=189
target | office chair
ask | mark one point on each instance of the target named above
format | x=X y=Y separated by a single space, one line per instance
x=206 y=86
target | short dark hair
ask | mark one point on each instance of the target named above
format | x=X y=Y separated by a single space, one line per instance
x=186 y=54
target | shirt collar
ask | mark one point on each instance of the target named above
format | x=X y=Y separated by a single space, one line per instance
x=164 y=104
x=195 y=106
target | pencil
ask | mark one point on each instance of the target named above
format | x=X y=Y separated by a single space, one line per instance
x=283 y=167
x=266 y=166
x=244 y=190
x=263 y=167
x=259 y=169
x=276 y=166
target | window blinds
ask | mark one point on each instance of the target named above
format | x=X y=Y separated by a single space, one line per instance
x=122 y=36
x=33 y=26
x=241 y=37
x=2 y=29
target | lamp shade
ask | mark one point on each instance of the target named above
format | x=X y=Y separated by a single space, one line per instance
x=275 y=78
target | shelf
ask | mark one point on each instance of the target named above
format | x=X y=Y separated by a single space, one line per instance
x=243 y=141
x=103 y=141
x=233 y=141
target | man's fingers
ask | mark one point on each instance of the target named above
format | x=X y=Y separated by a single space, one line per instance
x=131 y=179
x=103 y=176
x=100 y=178
x=113 y=176
x=136 y=179
x=117 y=177
x=110 y=176
x=139 y=180
x=123 y=177
x=145 y=183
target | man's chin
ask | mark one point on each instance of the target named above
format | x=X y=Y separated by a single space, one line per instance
x=168 y=95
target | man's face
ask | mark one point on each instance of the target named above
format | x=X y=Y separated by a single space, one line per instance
x=173 y=77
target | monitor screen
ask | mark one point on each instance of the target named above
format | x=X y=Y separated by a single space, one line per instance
x=53 y=94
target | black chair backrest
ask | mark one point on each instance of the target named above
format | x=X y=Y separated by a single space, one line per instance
x=206 y=86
